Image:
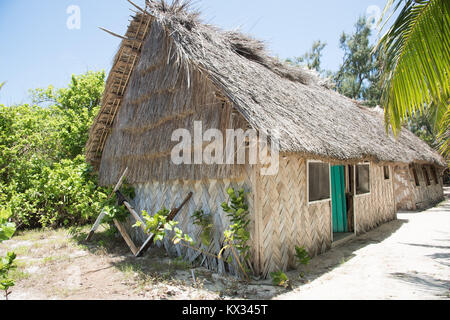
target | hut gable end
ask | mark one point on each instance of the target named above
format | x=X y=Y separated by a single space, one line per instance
x=165 y=93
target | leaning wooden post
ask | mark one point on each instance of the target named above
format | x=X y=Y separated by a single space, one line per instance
x=103 y=213
x=170 y=217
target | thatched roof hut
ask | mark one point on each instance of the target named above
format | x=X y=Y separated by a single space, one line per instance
x=171 y=70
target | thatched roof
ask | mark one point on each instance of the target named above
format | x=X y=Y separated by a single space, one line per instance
x=311 y=119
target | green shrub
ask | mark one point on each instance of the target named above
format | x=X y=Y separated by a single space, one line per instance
x=279 y=278
x=44 y=179
x=7 y=230
x=237 y=210
x=205 y=222
x=302 y=255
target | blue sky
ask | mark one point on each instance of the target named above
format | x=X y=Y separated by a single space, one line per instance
x=38 y=49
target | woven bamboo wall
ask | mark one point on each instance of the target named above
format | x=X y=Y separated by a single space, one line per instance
x=378 y=206
x=285 y=219
x=425 y=195
x=208 y=195
x=403 y=188
x=281 y=217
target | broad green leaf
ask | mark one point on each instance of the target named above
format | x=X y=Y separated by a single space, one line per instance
x=7 y=231
x=416 y=63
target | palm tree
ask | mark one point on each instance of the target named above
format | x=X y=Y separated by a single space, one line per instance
x=415 y=55
x=444 y=136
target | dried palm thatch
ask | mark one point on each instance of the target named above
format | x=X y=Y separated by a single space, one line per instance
x=184 y=68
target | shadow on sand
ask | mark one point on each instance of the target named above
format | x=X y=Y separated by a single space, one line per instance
x=425 y=282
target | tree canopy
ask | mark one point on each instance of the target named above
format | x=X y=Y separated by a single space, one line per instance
x=44 y=179
x=312 y=58
x=358 y=76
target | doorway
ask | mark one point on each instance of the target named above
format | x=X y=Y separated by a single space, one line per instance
x=338 y=200
x=342 y=186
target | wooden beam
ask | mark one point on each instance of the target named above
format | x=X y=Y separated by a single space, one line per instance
x=145 y=246
x=170 y=217
x=122 y=200
x=175 y=211
x=133 y=212
x=103 y=213
x=139 y=8
x=96 y=225
x=119 y=184
x=118 y=35
x=126 y=237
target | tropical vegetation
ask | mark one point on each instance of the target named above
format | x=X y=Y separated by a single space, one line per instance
x=44 y=179
x=415 y=70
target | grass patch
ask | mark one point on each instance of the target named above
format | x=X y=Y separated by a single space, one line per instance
x=38 y=234
x=152 y=270
x=20 y=263
x=105 y=240
x=47 y=260
x=53 y=259
x=22 y=250
x=180 y=264
x=344 y=260
x=19 y=272
x=129 y=268
x=59 y=292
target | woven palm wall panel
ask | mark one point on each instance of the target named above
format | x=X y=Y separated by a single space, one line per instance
x=378 y=206
x=208 y=195
x=286 y=219
x=426 y=194
x=403 y=188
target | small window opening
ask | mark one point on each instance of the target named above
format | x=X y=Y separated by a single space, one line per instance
x=416 y=178
x=319 y=181
x=386 y=172
x=362 y=179
x=435 y=176
x=426 y=176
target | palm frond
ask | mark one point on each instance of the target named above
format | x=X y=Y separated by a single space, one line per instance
x=2 y=84
x=415 y=56
x=444 y=137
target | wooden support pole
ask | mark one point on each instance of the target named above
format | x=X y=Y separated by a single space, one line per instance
x=139 y=8
x=96 y=225
x=133 y=212
x=126 y=237
x=119 y=184
x=122 y=200
x=119 y=36
x=175 y=211
x=170 y=217
x=103 y=213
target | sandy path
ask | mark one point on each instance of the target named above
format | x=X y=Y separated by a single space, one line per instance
x=404 y=259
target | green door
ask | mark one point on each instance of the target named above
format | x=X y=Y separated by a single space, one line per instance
x=339 y=206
